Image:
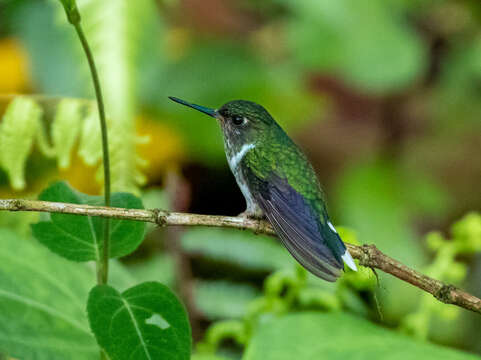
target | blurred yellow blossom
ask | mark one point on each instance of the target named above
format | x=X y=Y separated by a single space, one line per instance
x=81 y=176
x=13 y=66
x=162 y=146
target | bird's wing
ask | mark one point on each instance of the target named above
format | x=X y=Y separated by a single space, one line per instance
x=298 y=225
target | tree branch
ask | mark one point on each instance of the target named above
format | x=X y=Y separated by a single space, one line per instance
x=368 y=255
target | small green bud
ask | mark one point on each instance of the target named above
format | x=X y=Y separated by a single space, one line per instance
x=362 y=279
x=457 y=272
x=467 y=233
x=416 y=324
x=447 y=312
x=435 y=240
x=280 y=280
x=265 y=305
x=348 y=235
x=309 y=297
x=220 y=331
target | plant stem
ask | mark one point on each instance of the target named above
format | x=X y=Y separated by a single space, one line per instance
x=103 y=263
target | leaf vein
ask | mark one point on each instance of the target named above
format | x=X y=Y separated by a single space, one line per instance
x=44 y=308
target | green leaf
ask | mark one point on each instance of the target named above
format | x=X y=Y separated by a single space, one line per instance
x=159 y=267
x=115 y=41
x=17 y=133
x=115 y=34
x=146 y=321
x=66 y=129
x=245 y=249
x=222 y=299
x=90 y=145
x=338 y=336
x=80 y=238
x=42 y=303
x=378 y=56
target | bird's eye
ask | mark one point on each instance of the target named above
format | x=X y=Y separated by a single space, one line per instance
x=238 y=120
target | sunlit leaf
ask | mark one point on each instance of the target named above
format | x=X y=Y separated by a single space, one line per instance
x=90 y=146
x=146 y=321
x=66 y=129
x=59 y=66
x=17 y=133
x=113 y=31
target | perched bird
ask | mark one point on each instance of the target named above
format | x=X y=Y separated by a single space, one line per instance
x=279 y=183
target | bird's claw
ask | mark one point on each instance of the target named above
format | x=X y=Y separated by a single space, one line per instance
x=252 y=215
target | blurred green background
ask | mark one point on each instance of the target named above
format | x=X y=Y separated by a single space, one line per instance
x=384 y=96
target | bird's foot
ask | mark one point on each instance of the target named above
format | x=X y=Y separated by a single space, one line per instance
x=254 y=215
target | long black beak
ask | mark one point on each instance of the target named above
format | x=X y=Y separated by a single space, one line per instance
x=205 y=110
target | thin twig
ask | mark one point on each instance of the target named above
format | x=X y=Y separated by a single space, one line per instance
x=368 y=255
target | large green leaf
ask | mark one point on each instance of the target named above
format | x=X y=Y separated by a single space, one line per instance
x=80 y=238
x=455 y=97
x=146 y=321
x=114 y=30
x=42 y=303
x=365 y=43
x=333 y=336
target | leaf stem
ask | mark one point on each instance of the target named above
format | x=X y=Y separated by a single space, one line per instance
x=103 y=263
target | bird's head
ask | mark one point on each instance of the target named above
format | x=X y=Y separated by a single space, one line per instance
x=242 y=122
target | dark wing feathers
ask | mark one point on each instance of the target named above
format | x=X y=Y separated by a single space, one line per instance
x=297 y=225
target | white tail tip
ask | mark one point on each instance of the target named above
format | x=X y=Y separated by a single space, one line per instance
x=349 y=260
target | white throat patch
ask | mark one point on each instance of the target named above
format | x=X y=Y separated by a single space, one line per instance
x=237 y=158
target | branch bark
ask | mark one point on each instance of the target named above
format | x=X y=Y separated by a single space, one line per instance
x=368 y=255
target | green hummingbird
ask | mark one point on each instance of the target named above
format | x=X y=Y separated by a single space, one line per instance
x=279 y=183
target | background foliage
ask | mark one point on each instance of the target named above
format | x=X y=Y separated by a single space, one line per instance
x=383 y=96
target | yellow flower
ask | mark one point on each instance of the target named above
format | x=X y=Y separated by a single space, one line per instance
x=82 y=176
x=161 y=146
x=13 y=66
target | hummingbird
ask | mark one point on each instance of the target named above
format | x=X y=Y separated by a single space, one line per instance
x=279 y=183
